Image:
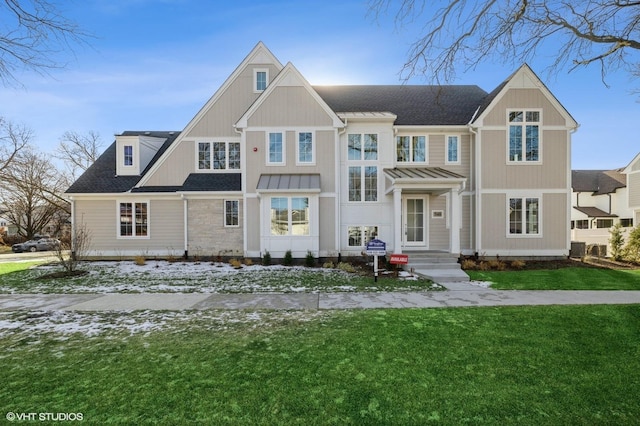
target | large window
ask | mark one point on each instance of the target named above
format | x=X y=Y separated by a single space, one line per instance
x=411 y=149
x=276 y=148
x=133 y=220
x=231 y=213
x=360 y=235
x=305 y=148
x=524 y=216
x=289 y=216
x=524 y=136
x=453 y=150
x=128 y=155
x=218 y=155
x=604 y=223
x=363 y=146
x=363 y=183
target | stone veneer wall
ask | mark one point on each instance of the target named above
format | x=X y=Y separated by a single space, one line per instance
x=207 y=235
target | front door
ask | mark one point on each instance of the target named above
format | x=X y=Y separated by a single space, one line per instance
x=415 y=219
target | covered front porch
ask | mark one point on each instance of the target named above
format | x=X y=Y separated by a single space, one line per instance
x=427 y=208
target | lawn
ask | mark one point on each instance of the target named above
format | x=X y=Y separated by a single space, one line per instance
x=571 y=278
x=197 y=277
x=507 y=365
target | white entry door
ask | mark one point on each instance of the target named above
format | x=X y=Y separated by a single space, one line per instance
x=415 y=221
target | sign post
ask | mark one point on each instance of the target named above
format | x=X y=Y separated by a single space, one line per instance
x=376 y=248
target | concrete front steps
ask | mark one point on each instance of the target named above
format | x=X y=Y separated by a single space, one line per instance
x=440 y=267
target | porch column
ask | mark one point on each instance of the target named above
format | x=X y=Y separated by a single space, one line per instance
x=397 y=220
x=455 y=216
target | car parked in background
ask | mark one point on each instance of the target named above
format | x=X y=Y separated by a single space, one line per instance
x=42 y=244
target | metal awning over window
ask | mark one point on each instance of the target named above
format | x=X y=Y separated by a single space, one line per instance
x=289 y=183
x=431 y=179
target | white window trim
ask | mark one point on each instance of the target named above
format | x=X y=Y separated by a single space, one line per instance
x=133 y=237
x=363 y=177
x=211 y=141
x=524 y=141
x=284 y=148
x=313 y=148
x=255 y=79
x=362 y=145
x=411 y=153
x=446 y=149
x=289 y=199
x=224 y=209
x=361 y=230
x=540 y=216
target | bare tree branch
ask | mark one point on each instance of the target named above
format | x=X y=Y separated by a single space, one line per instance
x=32 y=37
x=463 y=33
x=78 y=152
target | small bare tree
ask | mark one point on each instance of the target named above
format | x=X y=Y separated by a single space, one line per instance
x=73 y=248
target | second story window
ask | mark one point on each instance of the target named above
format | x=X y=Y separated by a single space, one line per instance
x=411 y=149
x=524 y=136
x=453 y=150
x=275 y=148
x=218 y=155
x=128 y=155
x=305 y=148
x=363 y=146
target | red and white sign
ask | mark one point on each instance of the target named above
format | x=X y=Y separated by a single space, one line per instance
x=399 y=259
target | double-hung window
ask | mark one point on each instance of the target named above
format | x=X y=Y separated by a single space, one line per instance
x=231 y=213
x=411 y=149
x=305 y=148
x=275 y=148
x=128 y=155
x=134 y=220
x=261 y=78
x=524 y=136
x=524 y=216
x=363 y=177
x=218 y=155
x=289 y=216
x=361 y=235
x=453 y=150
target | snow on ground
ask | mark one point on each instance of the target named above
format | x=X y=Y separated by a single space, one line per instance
x=194 y=277
x=64 y=324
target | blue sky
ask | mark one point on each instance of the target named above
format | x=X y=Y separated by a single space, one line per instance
x=154 y=63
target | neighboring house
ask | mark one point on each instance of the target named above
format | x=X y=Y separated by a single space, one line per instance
x=599 y=201
x=272 y=163
x=632 y=171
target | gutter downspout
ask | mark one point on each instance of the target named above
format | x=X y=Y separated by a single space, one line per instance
x=478 y=180
x=185 y=221
x=339 y=191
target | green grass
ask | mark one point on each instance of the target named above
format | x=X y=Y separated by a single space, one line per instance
x=9 y=267
x=573 y=278
x=191 y=277
x=508 y=365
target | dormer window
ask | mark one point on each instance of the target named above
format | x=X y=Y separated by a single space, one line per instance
x=261 y=79
x=128 y=155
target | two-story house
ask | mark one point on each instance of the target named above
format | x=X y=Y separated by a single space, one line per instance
x=632 y=172
x=272 y=163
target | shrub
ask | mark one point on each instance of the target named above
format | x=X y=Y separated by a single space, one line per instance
x=616 y=240
x=266 y=258
x=484 y=266
x=518 y=264
x=498 y=265
x=310 y=261
x=469 y=264
x=347 y=267
x=235 y=263
x=632 y=248
x=288 y=258
x=248 y=261
x=328 y=265
x=140 y=260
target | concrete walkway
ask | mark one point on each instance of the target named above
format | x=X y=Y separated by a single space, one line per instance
x=457 y=295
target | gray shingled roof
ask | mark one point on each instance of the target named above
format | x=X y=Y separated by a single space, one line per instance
x=597 y=181
x=414 y=105
x=101 y=176
x=594 y=212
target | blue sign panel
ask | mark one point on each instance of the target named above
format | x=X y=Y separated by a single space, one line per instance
x=376 y=247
